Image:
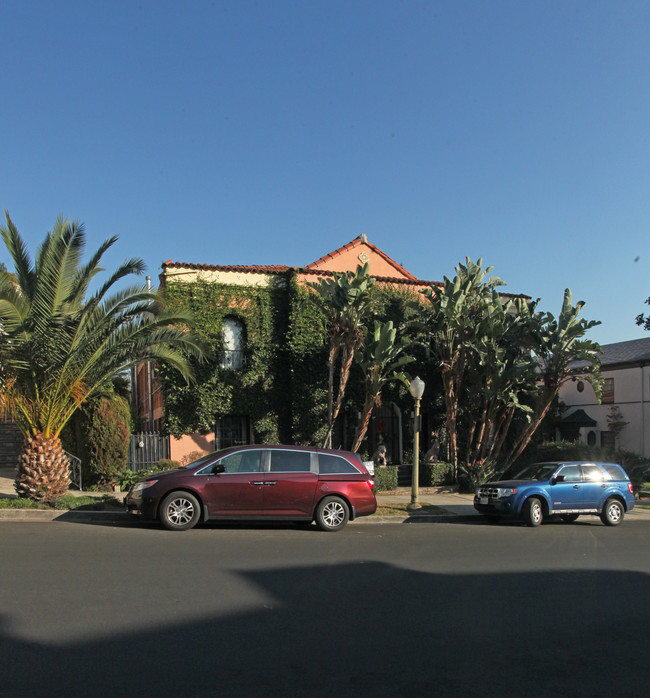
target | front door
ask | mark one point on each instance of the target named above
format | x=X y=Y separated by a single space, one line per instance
x=567 y=491
x=240 y=489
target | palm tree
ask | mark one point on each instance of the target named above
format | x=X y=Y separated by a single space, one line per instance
x=382 y=355
x=59 y=348
x=347 y=302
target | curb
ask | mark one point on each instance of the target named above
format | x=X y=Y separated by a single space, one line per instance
x=40 y=515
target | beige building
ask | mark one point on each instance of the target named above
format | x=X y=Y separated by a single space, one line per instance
x=626 y=369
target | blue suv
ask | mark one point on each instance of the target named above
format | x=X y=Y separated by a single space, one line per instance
x=568 y=489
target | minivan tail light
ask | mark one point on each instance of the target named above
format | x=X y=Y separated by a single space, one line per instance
x=371 y=483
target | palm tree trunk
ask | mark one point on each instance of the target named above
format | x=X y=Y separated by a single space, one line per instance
x=42 y=469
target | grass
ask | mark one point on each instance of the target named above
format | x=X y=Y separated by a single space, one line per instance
x=400 y=509
x=65 y=503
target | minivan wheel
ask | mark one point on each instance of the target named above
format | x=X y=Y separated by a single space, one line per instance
x=332 y=514
x=532 y=512
x=180 y=511
x=612 y=513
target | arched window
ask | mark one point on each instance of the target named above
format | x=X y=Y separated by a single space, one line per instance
x=234 y=339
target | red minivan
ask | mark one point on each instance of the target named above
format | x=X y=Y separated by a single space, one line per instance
x=281 y=483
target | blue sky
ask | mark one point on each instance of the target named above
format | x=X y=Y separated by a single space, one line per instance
x=273 y=132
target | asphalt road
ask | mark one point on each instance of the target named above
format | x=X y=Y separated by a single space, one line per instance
x=466 y=609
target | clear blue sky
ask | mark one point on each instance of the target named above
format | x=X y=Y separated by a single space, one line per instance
x=272 y=132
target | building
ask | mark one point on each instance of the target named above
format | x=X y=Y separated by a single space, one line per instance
x=626 y=399
x=246 y=280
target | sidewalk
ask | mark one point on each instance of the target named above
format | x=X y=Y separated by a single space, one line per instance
x=458 y=506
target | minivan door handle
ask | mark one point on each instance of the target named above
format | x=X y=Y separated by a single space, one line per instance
x=576 y=487
x=271 y=483
x=256 y=483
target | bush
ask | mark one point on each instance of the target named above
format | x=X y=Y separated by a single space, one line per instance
x=385 y=478
x=98 y=434
x=167 y=464
x=436 y=474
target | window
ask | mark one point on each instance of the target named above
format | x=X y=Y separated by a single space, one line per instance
x=607 y=439
x=231 y=431
x=233 y=333
x=242 y=462
x=331 y=465
x=592 y=473
x=570 y=473
x=608 y=390
x=290 y=462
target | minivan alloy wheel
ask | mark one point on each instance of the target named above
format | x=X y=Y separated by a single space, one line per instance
x=332 y=514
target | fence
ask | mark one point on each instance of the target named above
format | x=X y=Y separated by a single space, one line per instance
x=145 y=450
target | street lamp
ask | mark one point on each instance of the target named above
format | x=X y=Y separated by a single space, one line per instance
x=416 y=386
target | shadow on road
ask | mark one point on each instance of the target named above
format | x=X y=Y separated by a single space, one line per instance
x=369 y=630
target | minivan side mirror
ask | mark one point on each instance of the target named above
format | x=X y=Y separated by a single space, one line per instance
x=218 y=468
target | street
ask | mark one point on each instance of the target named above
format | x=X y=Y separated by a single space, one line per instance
x=467 y=609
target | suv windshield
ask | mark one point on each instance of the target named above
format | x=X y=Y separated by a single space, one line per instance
x=537 y=471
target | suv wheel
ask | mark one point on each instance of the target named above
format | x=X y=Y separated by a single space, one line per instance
x=180 y=511
x=532 y=512
x=332 y=514
x=612 y=513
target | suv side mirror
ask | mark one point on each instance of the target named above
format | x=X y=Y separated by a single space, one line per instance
x=556 y=479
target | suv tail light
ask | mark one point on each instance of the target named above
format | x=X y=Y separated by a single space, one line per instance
x=629 y=486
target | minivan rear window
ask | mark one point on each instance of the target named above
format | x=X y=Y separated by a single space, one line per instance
x=334 y=465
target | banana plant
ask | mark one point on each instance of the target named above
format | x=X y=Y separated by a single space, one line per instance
x=380 y=360
x=347 y=301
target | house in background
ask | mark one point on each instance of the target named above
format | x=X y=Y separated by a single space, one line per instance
x=236 y=429
x=626 y=371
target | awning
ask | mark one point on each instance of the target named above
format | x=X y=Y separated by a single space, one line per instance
x=579 y=418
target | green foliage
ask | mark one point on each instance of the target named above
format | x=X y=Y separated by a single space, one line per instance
x=385 y=478
x=435 y=474
x=167 y=464
x=261 y=388
x=98 y=434
x=60 y=347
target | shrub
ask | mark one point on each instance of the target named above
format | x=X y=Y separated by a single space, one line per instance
x=386 y=477
x=435 y=474
x=167 y=464
x=98 y=434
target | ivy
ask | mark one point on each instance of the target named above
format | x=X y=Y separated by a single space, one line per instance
x=283 y=384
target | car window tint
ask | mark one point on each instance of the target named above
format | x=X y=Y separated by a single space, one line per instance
x=242 y=462
x=614 y=472
x=290 y=461
x=571 y=473
x=592 y=473
x=330 y=465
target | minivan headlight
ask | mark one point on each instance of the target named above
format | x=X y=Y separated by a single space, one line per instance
x=139 y=486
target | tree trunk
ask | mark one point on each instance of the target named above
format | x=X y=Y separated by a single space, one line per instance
x=42 y=469
x=362 y=427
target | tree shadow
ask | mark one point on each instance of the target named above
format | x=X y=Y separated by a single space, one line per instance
x=369 y=629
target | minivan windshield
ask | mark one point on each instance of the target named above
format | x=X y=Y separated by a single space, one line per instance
x=537 y=471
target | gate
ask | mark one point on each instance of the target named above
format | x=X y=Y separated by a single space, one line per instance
x=145 y=450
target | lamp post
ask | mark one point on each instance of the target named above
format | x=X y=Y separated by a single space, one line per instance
x=416 y=386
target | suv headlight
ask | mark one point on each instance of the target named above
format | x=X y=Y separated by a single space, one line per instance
x=507 y=492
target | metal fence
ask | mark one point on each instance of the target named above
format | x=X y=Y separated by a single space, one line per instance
x=145 y=450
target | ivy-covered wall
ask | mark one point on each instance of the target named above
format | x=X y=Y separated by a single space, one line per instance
x=282 y=387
